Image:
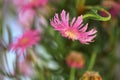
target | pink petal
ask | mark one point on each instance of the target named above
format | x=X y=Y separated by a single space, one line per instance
x=63 y=14
x=78 y=22
x=91 y=32
x=84 y=28
x=72 y=22
x=67 y=19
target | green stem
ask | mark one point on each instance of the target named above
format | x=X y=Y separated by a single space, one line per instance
x=72 y=74
x=92 y=61
x=81 y=78
x=41 y=75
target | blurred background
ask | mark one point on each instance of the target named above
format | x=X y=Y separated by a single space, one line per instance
x=47 y=59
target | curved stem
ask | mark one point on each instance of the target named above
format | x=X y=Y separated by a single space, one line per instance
x=96 y=16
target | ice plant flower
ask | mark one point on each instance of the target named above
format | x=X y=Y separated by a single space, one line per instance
x=27 y=40
x=73 y=30
x=75 y=60
x=37 y=3
x=26 y=10
x=30 y=3
x=26 y=17
x=25 y=68
x=91 y=75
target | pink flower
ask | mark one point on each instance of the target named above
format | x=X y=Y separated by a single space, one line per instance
x=25 y=68
x=27 y=40
x=37 y=3
x=75 y=30
x=26 y=17
x=27 y=10
x=30 y=3
x=75 y=60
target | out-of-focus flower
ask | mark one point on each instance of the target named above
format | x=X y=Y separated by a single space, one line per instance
x=30 y=3
x=26 y=10
x=91 y=76
x=41 y=23
x=75 y=60
x=25 y=68
x=37 y=3
x=114 y=7
x=28 y=39
x=26 y=17
x=75 y=30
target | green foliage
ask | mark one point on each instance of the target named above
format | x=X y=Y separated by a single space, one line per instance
x=99 y=56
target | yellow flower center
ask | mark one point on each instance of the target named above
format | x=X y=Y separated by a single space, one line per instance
x=71 y=34
x=24 y=41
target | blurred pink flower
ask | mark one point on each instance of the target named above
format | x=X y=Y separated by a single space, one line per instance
x=28 y=39
x=37 y=3
x=75 y=30
x=75 y=60
x=25 y=68
x=30 y=3
x=114 y=8
x=27 y=9
x=26 y=17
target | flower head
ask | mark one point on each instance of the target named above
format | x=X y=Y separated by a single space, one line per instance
x=30 y=3
x=26 y=17
x=28 y=39
x=25 y=68
x=27 y=9
x=73 y=30
x=91 y=76
x=37 y=3
x=75 y=60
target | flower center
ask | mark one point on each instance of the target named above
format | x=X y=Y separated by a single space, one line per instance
x=70 y=33
x=24 y=41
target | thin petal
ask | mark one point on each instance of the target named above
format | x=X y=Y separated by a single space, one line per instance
x=63 y=14
x=72 y=22
x=78 y=22
x=91 y=32
x=84 y=28
x=67 y=19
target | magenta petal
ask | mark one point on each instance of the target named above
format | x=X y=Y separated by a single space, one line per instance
x=63 y=14
x=91 y=32
x=78 y=22
x=83 y=29
x=29 y=38
x=72 y=22
x=74 y=29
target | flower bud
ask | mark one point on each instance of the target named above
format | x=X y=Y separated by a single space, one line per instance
x=75 y=60
x=91 y=75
